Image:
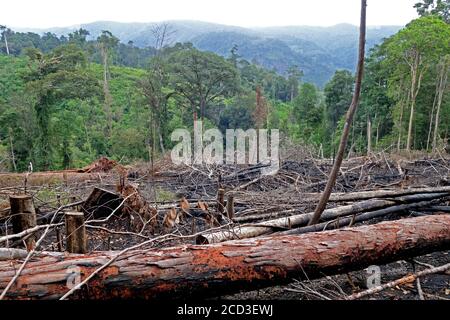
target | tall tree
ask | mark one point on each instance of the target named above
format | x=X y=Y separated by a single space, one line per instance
x=4 y=31
x=201 y=78
x=294 y=76
x=53 y=78
x=79 y=36
x=439 y=8
x=154 y=86
x=375 y=103
x=107 y=42
x=307 y=111
x=348 y=121
x=338 y=95
x=261 y=109
x=413 y=51
x=234 y=56
x=443 y=69
x=260 y=115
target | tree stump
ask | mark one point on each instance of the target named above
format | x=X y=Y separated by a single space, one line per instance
x=76 y=241
x=23 y=217
x=230 y=206
x=221 y=201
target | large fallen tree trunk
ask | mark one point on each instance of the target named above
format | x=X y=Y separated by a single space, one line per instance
x=348 y=221
x=294 y=221
x=47 y=178
x=213 y=270
x=365 y=195
x=93 y=172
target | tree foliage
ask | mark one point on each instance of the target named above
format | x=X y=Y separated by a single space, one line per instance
x=64 y=101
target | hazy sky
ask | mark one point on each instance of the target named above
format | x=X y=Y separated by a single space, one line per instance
x=246 y=13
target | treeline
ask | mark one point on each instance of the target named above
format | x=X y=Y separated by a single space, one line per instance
x=66 y=101
x=124 y=54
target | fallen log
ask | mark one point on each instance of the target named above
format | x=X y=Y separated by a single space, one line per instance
x=214 y=270
x=267 y=227
x=364 y=195
x=11 y=253
x=347 y=221
x=405 y=280
x=47 y=178
x=445 y=209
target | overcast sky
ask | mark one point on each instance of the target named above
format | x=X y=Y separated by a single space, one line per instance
x=246 y=13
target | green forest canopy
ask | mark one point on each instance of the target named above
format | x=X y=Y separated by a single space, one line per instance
x=65 y=101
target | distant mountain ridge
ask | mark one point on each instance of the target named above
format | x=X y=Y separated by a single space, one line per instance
x=318 y=51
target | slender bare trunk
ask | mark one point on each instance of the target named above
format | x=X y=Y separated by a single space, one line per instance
x=161 y=140
x=106 y=91
x=433 y=110
x=443 y=76
x=13 y=157
x=369 y=136
x=350 y=114
x=416 y=79
x=378 y=136
x=400 y=127
x=6 y=44
x=410 y=126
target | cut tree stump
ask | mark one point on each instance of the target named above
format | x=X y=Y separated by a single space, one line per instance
x=101 y=203
x=218 y=269
x=221 y=201
x=76 y=241
x=23 y=217
x=230 y=206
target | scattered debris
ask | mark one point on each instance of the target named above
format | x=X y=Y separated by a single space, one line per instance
x=218 y=269
x=176 y=206
x=101 y=165
x=101 y=203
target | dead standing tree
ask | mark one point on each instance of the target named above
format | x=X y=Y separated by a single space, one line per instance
x=106 y=43
x=260 y=115
x=4 y=31
x=350 y=114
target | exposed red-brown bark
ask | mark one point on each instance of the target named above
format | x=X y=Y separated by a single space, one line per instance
x=194 y=271
x=46 y=178
x=92 y=172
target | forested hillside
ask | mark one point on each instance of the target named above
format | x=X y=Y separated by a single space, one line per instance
x=239 y=167
x=319 y=51
x=66 y=100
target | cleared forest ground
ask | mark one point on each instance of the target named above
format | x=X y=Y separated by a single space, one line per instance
x=179 y=205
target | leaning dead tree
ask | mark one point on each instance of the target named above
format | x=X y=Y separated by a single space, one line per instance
x=218 y=269
x=348 y=121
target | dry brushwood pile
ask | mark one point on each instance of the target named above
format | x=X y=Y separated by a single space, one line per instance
x=227 y=231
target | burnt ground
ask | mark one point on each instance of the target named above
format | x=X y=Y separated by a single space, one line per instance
x=164 y=185
x=434 y=287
